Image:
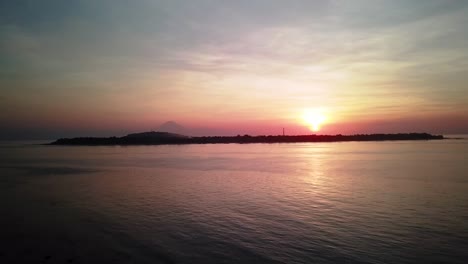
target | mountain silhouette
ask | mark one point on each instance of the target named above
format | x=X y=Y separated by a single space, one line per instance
x=173 y=127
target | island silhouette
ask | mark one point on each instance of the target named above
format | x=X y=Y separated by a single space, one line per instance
x=166 y=138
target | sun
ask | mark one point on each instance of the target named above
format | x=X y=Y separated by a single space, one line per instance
x=314 y=119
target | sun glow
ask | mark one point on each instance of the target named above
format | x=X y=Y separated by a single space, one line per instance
x=314 y=119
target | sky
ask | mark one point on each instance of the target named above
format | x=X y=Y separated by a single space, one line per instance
x=111 y=67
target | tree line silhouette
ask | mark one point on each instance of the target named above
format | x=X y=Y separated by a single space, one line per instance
x=165 y=138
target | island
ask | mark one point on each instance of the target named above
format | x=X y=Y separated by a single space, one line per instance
x=166 y=138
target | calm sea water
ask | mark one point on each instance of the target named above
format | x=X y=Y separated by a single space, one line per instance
x=354 y=202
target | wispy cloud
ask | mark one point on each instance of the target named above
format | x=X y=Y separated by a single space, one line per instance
x=180 y=60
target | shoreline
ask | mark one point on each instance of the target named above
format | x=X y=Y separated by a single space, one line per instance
x=164 y=138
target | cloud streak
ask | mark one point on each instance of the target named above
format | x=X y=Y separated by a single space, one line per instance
x=153 y=61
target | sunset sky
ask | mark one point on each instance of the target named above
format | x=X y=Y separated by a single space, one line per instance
x=74 y=68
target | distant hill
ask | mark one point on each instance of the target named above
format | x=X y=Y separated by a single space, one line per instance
x=173 y=127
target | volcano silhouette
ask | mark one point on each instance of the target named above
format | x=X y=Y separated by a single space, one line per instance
x=173 y=127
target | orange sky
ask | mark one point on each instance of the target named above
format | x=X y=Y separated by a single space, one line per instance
x=233 y=67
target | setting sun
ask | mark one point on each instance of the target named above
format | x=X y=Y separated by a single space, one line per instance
x=314 y=119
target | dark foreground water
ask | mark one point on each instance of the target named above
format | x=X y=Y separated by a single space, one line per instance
x=354 y=202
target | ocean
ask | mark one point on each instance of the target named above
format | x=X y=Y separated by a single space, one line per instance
x=344 y=202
